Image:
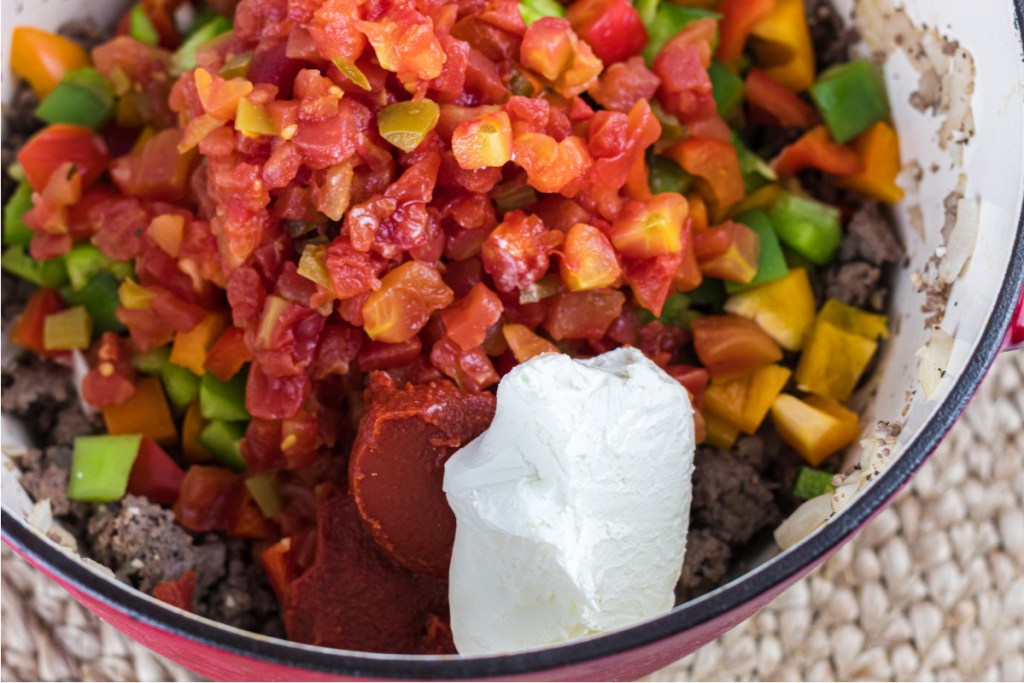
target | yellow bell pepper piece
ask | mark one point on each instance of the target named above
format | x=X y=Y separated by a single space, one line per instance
x=840 y=346
x=146 y=413
x=252 y=119
x=191 y=348
x=879 y=150
x=192 y=425
x=744 y=401
x=42 y=58
x=761 y=198
x=133 y=295
x=783 y=308
x=718 y=432
x=67 y=330
x=854 y=320
x=782 y=46
x=815 y=427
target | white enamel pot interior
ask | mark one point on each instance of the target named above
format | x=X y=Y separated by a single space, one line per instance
x=978 y=313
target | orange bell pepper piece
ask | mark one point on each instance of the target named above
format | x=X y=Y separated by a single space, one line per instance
x=146 y=413
x=878 y=149
x=525 y=343
x=744 y=401
x=815 y=427
x=781 y=43
x=190 y=428
x=738 y=19
x=730 y=345
x=716 y=167
x=191 y=348
x=816 y=149
x=42 y=58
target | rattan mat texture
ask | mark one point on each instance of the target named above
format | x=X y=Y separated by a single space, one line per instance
x=932 y=589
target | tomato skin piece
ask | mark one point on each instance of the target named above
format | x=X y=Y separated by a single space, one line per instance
x=730 y=345
x=583 y=315
x=612 y=28
x=59 y=143
x=467 y=319
x=207 y=498
x=651 y=279
x=403 y=304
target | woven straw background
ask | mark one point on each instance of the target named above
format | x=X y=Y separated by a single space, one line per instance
x=932 y=589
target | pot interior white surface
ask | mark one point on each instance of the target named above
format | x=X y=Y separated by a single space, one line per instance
x=992 y=162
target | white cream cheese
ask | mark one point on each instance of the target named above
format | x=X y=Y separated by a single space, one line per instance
x=572 y=508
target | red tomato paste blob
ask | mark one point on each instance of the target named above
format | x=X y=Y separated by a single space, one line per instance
x=397 y=466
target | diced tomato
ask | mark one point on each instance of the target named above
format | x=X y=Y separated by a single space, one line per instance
x=272 y=397
x=716 y=166
x=60 y=143
x=651 y=279
x=178 y=592
x=694 y=378
x=483 y=141
x=247 y=521
x=622 y=84
x=403 y=304
x=550 y=165
x=552 y=49
x=729 y=251
x=466 y=321
x=588 y=259
x=660 y=342
x=613 y=28
x=279 y=567
x=738 y=19
x=28 y=330
x=339 y=345
x=157 y=170
x=782 y=106
x=518 y=252
x=472 y=370
x=583 y=315
x=730 y=345
x=111 y=377
x=155 y=475
x=652 y=228
x=377 y=355
x=207 y=499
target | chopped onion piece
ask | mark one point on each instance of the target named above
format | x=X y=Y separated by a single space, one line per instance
x=933 y=360
x=804 y=521
x=962 y=237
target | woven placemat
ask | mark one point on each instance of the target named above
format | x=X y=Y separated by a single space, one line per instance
x=932 y=589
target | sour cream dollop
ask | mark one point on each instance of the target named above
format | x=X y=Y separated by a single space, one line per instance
x=572 y=508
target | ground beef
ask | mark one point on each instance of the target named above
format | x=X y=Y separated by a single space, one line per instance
x=143 y=544
x=857 y=284
x=243 y=599
x=730 y=498
x=869 y=244
x=704 y=566
x=831 y=36
x=19 y=124
x=85 y=32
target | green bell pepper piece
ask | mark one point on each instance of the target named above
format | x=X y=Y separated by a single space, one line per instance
x=140 y=26
x=711 y=292
x=84 y=262
x=101 y=466
x=756 y=171
x=223 y=400
x=532 y=10
x=808 y=227
x=771 y=264
x=512 y=195
x=677 y=311
x=205 y=13
x=665 y=175
x=666 y=21
x=184 y=58
x=83 y=97
x=224 y=440
x=99 y=297
x=15 y=230
x=811 y=483
x=180 y=385
x=726 y=88
x=48 y=273
x=850 y=98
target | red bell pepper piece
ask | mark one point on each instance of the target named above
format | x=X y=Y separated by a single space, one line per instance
x=178 y=592
x=57 y=144
x=730 y=345
x=228 y=354
x=816 y=149
x=28 y=330
x=738 y=18
x=729 y=251
x=155 y=475
x=694 y=378
x=782 y=106
x=613 y=28
x=280 y=568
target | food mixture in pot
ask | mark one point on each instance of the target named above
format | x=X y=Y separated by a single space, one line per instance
x=267 y=262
